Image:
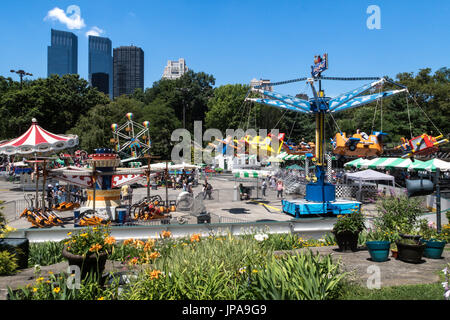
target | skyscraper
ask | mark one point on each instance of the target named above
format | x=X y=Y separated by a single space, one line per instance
x=100 y=64
x=128 y=70
x=62 y=54
x=175 y=69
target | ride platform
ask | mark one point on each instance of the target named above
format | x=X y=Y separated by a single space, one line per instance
x=301 y=207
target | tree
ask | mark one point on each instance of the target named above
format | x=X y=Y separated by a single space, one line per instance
x=94 y=128
x=56 y=102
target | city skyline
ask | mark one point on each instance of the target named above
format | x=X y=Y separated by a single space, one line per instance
x=224 y=38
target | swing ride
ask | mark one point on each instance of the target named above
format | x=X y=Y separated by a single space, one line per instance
x=320 y=196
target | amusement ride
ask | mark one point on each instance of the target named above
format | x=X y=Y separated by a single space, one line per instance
x=320 y=195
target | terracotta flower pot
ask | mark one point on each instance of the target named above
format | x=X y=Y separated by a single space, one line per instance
x=89 y=264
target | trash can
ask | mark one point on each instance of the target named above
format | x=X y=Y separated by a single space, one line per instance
x=18 y=246
x=121 y=215
x=204 y=218
x=154 y=186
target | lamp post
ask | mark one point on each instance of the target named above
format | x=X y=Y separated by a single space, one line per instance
x=21 y=74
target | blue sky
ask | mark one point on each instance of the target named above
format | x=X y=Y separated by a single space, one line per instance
x=237 y=40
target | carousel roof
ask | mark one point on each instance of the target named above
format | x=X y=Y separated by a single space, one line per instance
x=38 y=140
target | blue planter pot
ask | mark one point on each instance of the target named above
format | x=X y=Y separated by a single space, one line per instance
x=433 y=248
x=379 y=250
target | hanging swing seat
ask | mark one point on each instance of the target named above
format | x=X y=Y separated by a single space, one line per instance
x=300 y=149
x=359 y=144
x=422 y=145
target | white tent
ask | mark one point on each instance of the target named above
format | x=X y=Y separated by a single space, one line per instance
x=369 y=175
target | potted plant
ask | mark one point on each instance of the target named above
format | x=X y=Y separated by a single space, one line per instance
x=434 y=241
x=394 y=250
x=410 y=250
x=378 y=243
x=346 y=230
x=88 y=249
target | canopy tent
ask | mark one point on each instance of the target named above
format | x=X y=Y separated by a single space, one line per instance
x=185 y=166
x=286 y=156
x=239 y=173
x=38 y=140
x=381 y=163
x=430 y=165
x=368 y=175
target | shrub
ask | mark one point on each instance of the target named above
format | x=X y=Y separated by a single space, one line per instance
x=45 y=253
x=305 y=276
x=8 y=263
x=398 y=213
x=56 y=288
x=353 y=222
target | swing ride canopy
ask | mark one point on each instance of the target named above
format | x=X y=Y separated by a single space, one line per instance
x=430 y=165
x=38 y=140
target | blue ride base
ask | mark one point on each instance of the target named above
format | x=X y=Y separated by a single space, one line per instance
x=320 y=199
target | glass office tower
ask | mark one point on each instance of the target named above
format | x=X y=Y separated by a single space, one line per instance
x=62 y=54
x=128 y=68
x=100 y=64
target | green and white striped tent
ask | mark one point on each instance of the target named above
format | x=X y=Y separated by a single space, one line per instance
x=430 y=165
x=381 y=163
x=241 y=173
x=286 y=156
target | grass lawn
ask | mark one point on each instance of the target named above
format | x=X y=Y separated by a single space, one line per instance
x=432 y=291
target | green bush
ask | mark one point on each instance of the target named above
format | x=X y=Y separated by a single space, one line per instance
x=398 y=214
x=8 y=263
x=45 y=253
x=353 y=222
x=56 y=288
x=305 y=276
x=207 y=269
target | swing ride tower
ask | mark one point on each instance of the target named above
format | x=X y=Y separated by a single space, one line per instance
x=320 y=195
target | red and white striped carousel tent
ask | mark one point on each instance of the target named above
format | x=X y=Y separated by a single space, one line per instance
x=38 y=140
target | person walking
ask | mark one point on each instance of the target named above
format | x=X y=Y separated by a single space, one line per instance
x=280 y=188
x=264 y=187
x=207 y=187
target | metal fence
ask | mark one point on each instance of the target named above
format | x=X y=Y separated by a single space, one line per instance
x=12 y=209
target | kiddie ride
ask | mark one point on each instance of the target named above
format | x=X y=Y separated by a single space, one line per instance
x=359 y=144
x=39 y=218
x=320 y=196
x=422 y=145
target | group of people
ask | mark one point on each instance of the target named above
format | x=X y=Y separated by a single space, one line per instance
x=269 y=182
x=58 y=194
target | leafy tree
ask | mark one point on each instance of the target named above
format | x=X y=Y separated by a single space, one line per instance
x=94 y=128
x=56 y=102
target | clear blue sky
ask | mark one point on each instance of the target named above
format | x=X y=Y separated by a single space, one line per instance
x=237 y=40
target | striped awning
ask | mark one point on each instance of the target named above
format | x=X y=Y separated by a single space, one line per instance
x=250 y=173
x=286 y=156
x=430 y=165
x=380 y=163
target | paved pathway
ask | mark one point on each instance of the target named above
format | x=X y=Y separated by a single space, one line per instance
x=393 y=272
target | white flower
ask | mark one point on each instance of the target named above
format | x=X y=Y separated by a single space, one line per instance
x=447 y=295
x=445 y=270
x=37 y=268
x=261 y=237
x=445 y=285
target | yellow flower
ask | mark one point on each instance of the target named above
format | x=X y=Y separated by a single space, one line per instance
x=127 y=241
x=166 y=234
x=69 y=233
x=154 y=255
x=255 y=271
x=50 y=272
x=39 y=279
x=184 y=244
x=110 y=240
x=84 y=234
x=195 y=237
x=57 y=290
x=101 y=298
x=34 y=289
x=155 y=274
x=95 y=247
